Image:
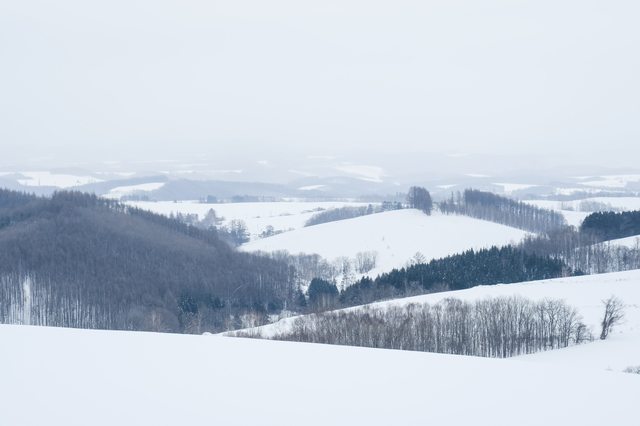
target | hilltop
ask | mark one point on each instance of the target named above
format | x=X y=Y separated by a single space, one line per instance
x=396 y=235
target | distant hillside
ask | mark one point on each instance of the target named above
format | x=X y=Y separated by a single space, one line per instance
x=80 y=261
x=395 y=235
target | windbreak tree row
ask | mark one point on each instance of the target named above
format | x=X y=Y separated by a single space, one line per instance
x=350 y=212
x=500 y=327
x=505 y=211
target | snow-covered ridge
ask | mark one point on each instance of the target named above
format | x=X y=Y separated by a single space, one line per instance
x=257 y=216
x=510 y=187
x=56 y=179
x=585 y=293
x=395 y=235
x=121 y=191
x=570 y=208
x=612 y=181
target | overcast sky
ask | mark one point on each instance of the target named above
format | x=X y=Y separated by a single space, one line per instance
x=215 y=76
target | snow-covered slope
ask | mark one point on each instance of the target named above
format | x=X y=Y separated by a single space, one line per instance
x=575 y=217
x=79 y=377
x=630 y=242
x=257 y=216
x=60 y=180
x=122 y=191
x=620 y=350
x=395 y=235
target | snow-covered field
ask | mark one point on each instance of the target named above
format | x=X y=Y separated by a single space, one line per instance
x=620 y=350
x=55 y=179
x=612 y=181
x=395 y=235
x=257 y=216
x=630 y=242
x=623 y=203
x=78 y=377
x=121 y=191
x=510 y=187
x=576 y=217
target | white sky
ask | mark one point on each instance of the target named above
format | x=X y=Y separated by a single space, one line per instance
x=460 y=76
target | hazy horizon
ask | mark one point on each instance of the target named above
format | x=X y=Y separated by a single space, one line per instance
x=551 y=82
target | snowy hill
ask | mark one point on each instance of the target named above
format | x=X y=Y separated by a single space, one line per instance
x=395 y=235
x=257 y=216
x=79 y=377
x=620 y=350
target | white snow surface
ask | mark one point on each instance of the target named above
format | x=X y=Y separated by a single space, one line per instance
x=370 y=173
x=55 y=179
x=623 y=203
x=395 y=235
x=569 y=191
x=120 y=191
x=510 y=187
x=630 y=242
x=585 y=293
x=612 y=181
x=575 y=217
x=312 y=187
x=58 y=376
x=257 y=216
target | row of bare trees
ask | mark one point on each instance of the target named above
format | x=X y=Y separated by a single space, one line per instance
x=495 y=208
x=498 y=327
x=584 y=251
x=350 y=212
x=341 y=270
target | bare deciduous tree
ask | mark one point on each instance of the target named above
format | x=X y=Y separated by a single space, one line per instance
x=613 y=315
x=500 y=327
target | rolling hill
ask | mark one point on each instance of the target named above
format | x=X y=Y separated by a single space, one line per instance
x=79 y=377
x=77 y=260
x=586 y=293
x=395 y=235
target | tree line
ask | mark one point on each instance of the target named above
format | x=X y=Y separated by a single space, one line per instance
x=350 y=212
x=495 y=327
x=340 y=270
x=611 y=225
x=583 y=250
x=472 y=268
x=505 y=211
x=419 y=198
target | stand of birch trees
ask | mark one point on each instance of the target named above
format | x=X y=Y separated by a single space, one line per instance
x=496 y=327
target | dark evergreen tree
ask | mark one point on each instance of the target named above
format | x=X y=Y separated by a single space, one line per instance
x=611 y=225
x=322 y=294
x=465 y=270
